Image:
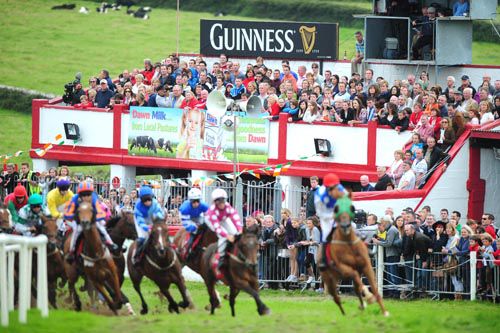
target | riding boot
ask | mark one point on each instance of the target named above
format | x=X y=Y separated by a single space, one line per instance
x=222 y=262
x=138 y=252
x=70 y=258
x=323 y=262
x=190 y=251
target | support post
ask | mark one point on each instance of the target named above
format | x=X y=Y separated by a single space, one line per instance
x=24 y=286
x=42 y=292
x=473 y=275
x=380 y=269
x=3 y=287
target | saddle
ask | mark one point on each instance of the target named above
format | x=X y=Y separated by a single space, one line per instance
x=219 y=274
x=186 y=249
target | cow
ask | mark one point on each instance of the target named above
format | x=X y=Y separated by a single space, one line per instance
x=168 y=146
x=144 y=141
x=66 y=6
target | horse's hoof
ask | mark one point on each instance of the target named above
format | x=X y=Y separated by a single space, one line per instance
x=207 y=307
x=265 y=311
x=183 y=304
x=362 y=306
x=144 y=310
x=386 y=314
x=173 y=308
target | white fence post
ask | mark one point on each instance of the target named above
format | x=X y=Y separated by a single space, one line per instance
x=9 y=244
x=380 y=269
x=473 y=275
x=3 y=285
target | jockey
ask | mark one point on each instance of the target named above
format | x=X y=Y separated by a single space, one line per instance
x=191 y=212
x=324 y=201
x=57 y=199
x=225 y=221
x=15 y=201
x=30 y=215
x=85 y=193
x=147 y=209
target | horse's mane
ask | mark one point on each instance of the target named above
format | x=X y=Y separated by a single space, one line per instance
x=112 y=222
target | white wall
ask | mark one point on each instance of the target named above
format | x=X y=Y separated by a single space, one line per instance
x=125 y=128
x=490 y=172
x=96 y=128
x=349 y=144
x=389 y=141
x=273 y=139
x=378 y=207
x=450 y=191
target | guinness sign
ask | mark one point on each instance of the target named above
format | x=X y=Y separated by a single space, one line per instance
x=284 y=40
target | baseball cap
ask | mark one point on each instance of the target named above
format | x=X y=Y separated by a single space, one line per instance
x=458 y=92
x=103 y=81
x=465 y=77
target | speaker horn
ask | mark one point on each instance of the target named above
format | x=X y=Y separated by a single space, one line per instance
x=252 y=106
x=217 y=103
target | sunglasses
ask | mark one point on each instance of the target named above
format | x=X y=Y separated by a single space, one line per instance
x=85 y=194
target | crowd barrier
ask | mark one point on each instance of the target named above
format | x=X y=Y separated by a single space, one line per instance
x=10 y=245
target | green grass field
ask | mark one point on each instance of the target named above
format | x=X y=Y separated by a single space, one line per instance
x=42 y=49
x=291 y=312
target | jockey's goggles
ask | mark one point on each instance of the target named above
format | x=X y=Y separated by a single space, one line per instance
x=195 y=200
x=36 y=206
x=63 y=187
x=84 y=194
x=332 y=188
x=146 y=199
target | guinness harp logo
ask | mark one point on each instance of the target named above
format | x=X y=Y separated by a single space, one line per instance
x=308 y=35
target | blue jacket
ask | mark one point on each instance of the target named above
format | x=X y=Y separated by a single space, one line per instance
x=459 y=9
x=144 y=216
x=102 y=98
x=191 y=217
x=290 y=111
x=152 y=101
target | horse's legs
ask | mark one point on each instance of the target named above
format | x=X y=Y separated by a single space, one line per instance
x=102 y=290
x=172 y=306
x=330 y=284
x=136 y=281
x=233 y=292
x=358 y=289
x=72 y=276
x=368 y=272
x=52 y=293
x=261 y=307
x=212 y=293
x=179 y=282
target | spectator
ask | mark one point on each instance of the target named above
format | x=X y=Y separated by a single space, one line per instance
x=176 y=98
x=419 y=167
x=474 y=115
x=401 y=122
x=368 y=80
x=10 y=178
x=310 y=207
x=407 y=181
x=312 y=114
x=415 y=245
x=391 y=250
x=487 y=222
x=383 y=179
x=446 y=136
x=312 y=242
x=433 y=155
x=28 y=179
x=395 y=171
x=189 y=102
x=360 y=52
x=365 y=184
x=485 y=109
x=461 y=8
x=451 y=244
x=103 y=96
x=346 y=114
x=426 y=34
x=291 y=237
x=466 y=84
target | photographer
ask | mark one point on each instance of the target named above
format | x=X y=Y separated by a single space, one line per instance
x=77 y=92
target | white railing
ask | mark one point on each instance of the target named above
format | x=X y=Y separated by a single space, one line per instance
x=23 y=246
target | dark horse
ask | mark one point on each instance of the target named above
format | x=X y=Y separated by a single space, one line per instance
x=121 y=228
x=240 y=272
x=350 y=260
x=55 y=258
x=161 y=265
x=5 y=220
x=207 y=237
x=98 y=264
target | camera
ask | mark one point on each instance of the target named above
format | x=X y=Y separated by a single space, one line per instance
x=360 y=218
x=69 y=89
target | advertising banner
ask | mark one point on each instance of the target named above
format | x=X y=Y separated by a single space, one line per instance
x=196 y=134
x=284 y=40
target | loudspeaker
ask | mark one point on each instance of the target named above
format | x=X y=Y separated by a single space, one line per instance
x=252 y=106
x=217 y=103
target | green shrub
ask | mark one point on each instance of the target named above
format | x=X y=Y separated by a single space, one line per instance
x=17 y=99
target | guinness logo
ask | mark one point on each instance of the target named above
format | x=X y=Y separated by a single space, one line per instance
x=308 y=35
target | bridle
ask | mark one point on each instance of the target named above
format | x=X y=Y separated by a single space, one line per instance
x=238 y=256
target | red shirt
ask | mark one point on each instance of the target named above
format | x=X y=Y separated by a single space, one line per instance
x=275 y=109
x=190 y=104
x=148 y=75
x=415 y=118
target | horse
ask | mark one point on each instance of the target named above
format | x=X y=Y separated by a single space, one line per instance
x=121 y=228
x=55 y=259
x=5 y=220
x=349 y=260
x=206 y=238
x=161 y=265
x=239 y=274
x=98 y=265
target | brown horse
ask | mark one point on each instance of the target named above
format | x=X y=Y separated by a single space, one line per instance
x=161 y=265
x=98 y=266
x=194 y=261
x=5 y=220
x=350 y=260
x=121 y=228
x=239 y=274
x=55 y=258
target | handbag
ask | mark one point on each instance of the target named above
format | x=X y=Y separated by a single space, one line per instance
x=284 y=253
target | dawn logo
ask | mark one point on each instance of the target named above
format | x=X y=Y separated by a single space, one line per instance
x=308 y=35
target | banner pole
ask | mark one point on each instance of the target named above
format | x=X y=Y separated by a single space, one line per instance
x=178 y=30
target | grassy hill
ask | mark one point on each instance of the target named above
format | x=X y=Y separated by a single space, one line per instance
x=291 y=312
x=42 y=49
